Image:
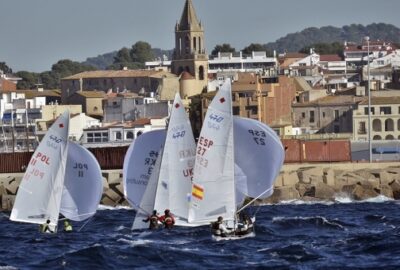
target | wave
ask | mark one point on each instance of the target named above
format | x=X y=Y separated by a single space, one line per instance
x=118 y=207
x=316 y=220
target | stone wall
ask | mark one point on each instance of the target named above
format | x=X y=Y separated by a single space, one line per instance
x=358 y=181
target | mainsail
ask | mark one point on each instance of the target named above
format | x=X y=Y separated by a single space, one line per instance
x=39 y=194
x=213 y=189
x=175 y=177
x=83 y=186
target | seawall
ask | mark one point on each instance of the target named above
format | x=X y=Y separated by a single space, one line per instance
x=314 y=181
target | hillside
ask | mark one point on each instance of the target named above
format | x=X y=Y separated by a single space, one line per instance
x=328 y=34
x=295 y=41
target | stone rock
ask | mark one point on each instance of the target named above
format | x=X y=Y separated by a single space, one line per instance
x=395 y=186
x=329 y=177
x=12 y=187
x=386 y=191
x=324 y=191
x=306 y=173
x=119 y=189
x=362 y=192
x=290 y=179
x=7 y=202
x=365 y=174
x=113 y=177
x=305 y=190
x=283 y=194
x=387 y=178
x=107 y=201
x=2 y=190
x=315 y=179
x=279 y=181
x=370 y=184
x=113 y=195
x=105 y=184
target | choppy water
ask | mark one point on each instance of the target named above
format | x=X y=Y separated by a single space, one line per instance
x=290 y=235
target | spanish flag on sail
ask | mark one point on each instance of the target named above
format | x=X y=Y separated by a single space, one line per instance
x=197 y=191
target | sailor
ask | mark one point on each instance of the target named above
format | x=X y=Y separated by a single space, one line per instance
x=153 y=219
x=67 y=226
x=45 y=227
x=167 y=219
x=219 y=228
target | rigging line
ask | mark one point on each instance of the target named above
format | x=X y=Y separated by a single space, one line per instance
x=137 y=207
x=253 y=200
x=84 y=224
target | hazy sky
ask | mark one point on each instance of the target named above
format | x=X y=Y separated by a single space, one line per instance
x=35 y=34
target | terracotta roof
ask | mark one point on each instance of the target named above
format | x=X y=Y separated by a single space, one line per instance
x=330 y=57
x=294 y=55
x=382 y=101
x=29 y=94
x=91 y=94
x=331 y=100
x=112 y=74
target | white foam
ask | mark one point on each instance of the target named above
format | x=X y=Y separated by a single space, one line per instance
x=118 y=207
x=324 y=220
x=300 y=202
x=133 y=243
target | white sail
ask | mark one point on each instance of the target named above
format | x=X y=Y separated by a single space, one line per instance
x=83 y=185
x=39 y=194
x=147 y=202
x=213 y=189
x=139 y=164
x=175 y=178
x=260 y=155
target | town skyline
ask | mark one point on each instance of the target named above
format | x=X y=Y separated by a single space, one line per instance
x=38 y=34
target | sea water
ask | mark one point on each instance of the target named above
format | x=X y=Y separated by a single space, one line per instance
x=290 y=235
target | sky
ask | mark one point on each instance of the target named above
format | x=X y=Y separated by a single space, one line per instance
x=35 y=34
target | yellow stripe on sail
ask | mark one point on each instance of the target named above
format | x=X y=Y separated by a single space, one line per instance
x=197 y=191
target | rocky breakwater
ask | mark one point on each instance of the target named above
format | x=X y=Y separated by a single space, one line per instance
x=113 y=191
x=358 y=181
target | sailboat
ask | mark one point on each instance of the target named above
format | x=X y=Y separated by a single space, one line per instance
x=62 y=177
x=170 y=183
x=216 y=191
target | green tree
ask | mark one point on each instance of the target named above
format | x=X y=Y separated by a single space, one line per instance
x=222 y=48
x=141 y=52
x=256 y=47
x=6 y=69
x=28 y=80
x=123 y=56
x=324 y=48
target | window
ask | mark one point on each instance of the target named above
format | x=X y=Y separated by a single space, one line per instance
x=337 y=115
x=201 y=73
x=312 y=119
x=361 y=128
x=303 y=115
x=323 y=114
x=336 y=129
x=129 y=135
x=118 y=135
x=235 y=110
x=385 y=110
x=366 y=110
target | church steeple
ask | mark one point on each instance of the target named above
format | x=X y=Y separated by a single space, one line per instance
x=189 y=19
x=190 y=54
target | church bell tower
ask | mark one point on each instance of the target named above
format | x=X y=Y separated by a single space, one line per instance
x=190 y=60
